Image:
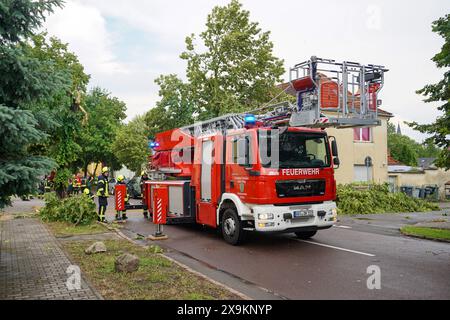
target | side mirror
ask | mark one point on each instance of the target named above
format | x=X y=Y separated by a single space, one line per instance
x=334 y=148
x=336 y=162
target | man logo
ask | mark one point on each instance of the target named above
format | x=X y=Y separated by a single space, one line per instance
x=74 y=280
x=374 y=281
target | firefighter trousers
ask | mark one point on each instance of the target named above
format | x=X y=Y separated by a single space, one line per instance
x=102 y=205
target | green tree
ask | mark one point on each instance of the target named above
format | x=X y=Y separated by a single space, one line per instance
x=24 y=81
x=105 y=115
x=63 y=108
x=237 y=71
x=131 y=144
x=61 y=114
x=19 y=169
x=175 y=108
x=21 y=17
x=439 y=92
x=407 y=150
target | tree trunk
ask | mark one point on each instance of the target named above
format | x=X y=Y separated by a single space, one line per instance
x=85 y=170
x=95 y=170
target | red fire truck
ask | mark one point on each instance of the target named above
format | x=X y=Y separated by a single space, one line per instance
x=270 y=170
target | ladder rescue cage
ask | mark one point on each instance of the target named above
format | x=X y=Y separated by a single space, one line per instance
x=346 y=91
x=329 y=94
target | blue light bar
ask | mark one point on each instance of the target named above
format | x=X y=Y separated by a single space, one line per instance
x=250 y=119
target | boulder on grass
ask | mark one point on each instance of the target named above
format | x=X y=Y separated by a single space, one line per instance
x=97 y=247
x=127 y=263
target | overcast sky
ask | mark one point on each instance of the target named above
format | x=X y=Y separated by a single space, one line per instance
x=125 y=45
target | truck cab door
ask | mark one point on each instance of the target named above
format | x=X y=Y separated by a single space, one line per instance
x=210 y=180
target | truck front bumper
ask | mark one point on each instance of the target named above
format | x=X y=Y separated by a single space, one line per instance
x=270 y=218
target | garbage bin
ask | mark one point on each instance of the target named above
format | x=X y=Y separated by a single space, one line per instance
x=408 y=190
x=431 y=192
x=418 y=192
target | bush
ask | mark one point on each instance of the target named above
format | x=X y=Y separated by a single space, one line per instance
x=78 y=210
x=376 y=198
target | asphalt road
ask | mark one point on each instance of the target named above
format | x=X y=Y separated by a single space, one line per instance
x=333 y=265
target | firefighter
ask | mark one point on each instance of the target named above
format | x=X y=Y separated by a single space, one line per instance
x=77 y=184
x=70 y=187
x=102 y=194
x=121 y=181
x=144 y=177
x=83 y=183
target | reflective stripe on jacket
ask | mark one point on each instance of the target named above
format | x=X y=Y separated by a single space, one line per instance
x=102 y=186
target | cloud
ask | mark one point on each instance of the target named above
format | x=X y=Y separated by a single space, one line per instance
x=125 y=45
x=84 y=28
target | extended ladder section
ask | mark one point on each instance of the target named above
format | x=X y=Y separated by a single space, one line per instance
x=329 y=94
x=336 y=94
x=219 y=124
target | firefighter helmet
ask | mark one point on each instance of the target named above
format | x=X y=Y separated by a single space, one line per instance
x=143 y=173
x=120 y=178
x=105 y=169
x=86 y=191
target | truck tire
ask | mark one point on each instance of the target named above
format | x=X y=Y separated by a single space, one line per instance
x=231 y=227
x=305 y=235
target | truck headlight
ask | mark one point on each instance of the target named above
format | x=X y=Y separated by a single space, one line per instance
x=334 y=212
x=265 y=216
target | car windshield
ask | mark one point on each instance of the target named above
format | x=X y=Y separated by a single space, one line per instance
x=289 y=150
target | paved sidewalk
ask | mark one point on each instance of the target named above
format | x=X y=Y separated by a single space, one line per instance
x=33 y=265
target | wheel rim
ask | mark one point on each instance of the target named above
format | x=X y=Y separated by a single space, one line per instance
x=229 y=227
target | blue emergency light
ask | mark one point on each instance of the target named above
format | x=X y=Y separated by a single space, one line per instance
x=153 y=145
x=250 y=119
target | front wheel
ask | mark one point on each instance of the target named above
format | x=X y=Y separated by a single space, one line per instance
x=305 y=235
x=231 y=226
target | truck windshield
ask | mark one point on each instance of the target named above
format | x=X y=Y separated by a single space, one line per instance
x=289 y=150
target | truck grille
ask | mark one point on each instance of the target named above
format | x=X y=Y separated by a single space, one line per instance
x=300 y=188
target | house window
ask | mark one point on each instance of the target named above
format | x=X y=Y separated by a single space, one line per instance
x=362 y=134
x=362 y=173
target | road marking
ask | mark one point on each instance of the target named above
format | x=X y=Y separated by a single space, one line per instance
x=343 y=227
x=337 y=248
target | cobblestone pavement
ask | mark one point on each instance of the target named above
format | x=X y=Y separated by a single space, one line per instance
x=33 y=266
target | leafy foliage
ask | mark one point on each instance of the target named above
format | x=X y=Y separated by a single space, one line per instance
x=131 y=144
x=234 y=71
x=376 y=198
x=175 y=109
x=78 y=210
x=25 y=81
x=21 y=17
x=19 y=170
x=237 y=70
x=440 y=92
x=61 y=181
x=406 y=150
x=99 y=133
x=62 y=106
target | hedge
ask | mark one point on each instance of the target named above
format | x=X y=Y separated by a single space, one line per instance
x=376 y=198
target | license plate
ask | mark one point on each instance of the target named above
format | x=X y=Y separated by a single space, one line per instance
x=299 y=214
